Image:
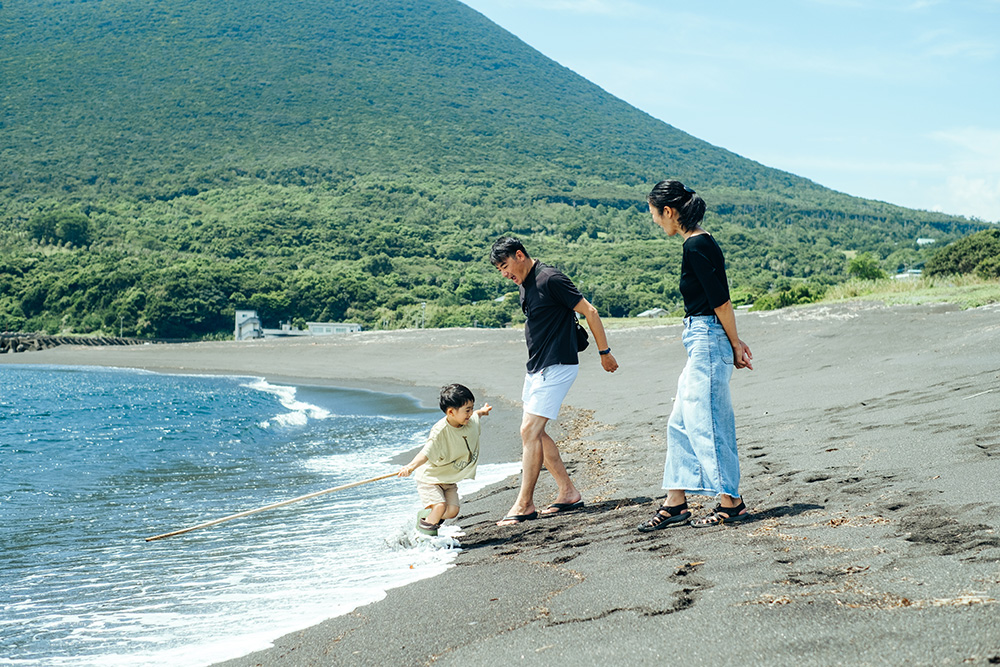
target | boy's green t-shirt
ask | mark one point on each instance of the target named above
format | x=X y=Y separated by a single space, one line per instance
x=452 y=453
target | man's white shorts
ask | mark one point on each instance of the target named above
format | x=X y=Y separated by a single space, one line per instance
x=545 y=390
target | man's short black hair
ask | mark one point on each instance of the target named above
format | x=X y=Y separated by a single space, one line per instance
x=504 y=248
x=455 y=396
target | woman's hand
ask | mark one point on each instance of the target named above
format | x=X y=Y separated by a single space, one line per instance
x=742 y=356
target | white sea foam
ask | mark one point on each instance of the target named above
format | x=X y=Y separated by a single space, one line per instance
x=333 y=576
x=406 y=556
x=300 y=413
x=181 y=601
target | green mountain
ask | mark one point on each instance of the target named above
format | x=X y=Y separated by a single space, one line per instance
x=165 y=163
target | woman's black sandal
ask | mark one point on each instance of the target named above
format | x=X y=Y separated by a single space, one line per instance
x=716 y=518
x=676 y=515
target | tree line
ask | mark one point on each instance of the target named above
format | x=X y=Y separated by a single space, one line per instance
x=387 y=253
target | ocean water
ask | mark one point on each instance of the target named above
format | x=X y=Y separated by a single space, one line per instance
x=95 y=460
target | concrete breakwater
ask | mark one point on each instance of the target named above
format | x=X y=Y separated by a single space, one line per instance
x=34 y=342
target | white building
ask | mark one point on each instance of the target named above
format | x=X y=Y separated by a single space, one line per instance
x=653 y=312
x=248 y=325
x=331 y=328
x=285 y=331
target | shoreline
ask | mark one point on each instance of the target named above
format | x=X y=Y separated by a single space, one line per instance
x=869 y=453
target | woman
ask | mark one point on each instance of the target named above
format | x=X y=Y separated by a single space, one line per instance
x=701 y=433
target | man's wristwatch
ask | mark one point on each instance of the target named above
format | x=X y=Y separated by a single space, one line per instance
x=602 y=352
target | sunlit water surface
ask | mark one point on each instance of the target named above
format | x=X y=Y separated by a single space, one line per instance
x=94 y=460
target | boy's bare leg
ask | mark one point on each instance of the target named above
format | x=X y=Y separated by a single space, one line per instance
x=437 y=513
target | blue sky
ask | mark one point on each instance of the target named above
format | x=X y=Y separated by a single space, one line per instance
x=895 y=100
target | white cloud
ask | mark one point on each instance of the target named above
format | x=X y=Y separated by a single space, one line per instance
x=614 y=7
x=972 y=184
x=807 y=164
x=922 y=4
x=839 y=91
x=984 y=142
x=975 y=196
x=852 y=4
x=978 y=50
x=964 y=180
x=601 y=7
x=953 y=43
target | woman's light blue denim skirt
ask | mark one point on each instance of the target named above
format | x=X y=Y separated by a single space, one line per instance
x=701 y=433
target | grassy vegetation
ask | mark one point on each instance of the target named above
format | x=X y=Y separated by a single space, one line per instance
x=967 y=291
x=165 y=164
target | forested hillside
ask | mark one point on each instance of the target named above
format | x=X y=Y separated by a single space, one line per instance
x=163 y=164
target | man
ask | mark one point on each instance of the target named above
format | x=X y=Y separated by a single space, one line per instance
x=550 y=302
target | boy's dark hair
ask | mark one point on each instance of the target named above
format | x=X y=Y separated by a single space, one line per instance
x=455 y=396
x=504 y=248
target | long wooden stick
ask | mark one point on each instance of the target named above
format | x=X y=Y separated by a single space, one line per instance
x=270 y=507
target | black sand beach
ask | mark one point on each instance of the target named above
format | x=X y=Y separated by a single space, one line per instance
x=870 y=446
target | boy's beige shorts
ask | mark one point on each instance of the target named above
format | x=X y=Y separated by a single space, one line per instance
x=432 y=494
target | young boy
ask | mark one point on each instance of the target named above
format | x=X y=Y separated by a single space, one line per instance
x=450 y=455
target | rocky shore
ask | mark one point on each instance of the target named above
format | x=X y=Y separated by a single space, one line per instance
x=19 y=342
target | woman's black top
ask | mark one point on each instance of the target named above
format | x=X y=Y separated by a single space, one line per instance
x=703 y=276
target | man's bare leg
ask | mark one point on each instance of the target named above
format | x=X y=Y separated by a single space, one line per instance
x=539 y=448
x=568 y=493
x=532 y=458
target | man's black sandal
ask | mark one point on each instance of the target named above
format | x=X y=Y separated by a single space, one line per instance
x=677 y=515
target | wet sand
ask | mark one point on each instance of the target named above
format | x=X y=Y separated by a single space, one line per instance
x=870 y=446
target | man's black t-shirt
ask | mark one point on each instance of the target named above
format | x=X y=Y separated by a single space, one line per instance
x=703 y=276
x=548 y=298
